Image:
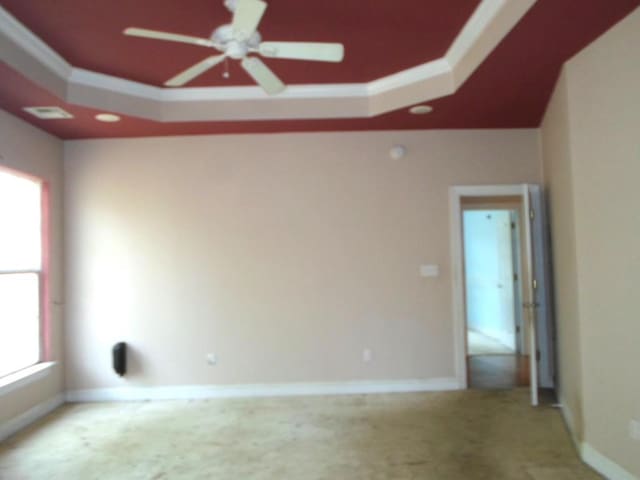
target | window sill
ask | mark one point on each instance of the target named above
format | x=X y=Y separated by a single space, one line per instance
x=25 y=377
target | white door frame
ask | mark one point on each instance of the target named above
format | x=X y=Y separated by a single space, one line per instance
x=457 y=274
x=540 y=323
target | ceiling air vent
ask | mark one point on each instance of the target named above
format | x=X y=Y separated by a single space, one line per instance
x=48 y=113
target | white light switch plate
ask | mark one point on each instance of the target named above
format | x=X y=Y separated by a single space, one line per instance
x=429 y=270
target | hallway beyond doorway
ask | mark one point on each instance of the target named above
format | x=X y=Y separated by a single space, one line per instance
x=498 y=371
x=480 y=344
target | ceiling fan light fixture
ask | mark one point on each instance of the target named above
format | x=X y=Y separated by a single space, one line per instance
x=420 y=109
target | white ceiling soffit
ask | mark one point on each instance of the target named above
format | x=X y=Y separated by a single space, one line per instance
x=484 y=30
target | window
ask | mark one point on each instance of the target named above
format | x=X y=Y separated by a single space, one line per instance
x=21 y=272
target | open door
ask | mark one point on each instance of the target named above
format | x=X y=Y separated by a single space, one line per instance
x=536 y=302
x=529 y=298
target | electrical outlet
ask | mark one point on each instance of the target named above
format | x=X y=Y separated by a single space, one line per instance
x=212 y=359
x=429 y=270
x=367 y=355
x=634 y=429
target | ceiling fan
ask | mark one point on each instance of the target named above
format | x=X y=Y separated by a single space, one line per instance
x=238 y=40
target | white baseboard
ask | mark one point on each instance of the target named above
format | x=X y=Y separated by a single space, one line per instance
x=181 y=392
x=569 y=421
x=590 y=455
x=25 y=419
x=604 y=465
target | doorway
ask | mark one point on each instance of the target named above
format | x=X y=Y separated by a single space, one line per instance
x=537 y=339
x=496 y=350
x=491 y=266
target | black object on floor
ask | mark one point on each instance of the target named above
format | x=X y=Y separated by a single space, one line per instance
x=120 y=358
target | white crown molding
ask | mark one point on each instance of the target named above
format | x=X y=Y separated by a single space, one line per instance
x=80 y=76
x=418 y=84
x=485 y=29
x=489 y=24
x=407 y=77
x=33 y=46
x=181 y=392
x=22 y=421
x=210 y=104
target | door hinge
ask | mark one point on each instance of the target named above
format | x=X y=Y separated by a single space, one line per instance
x=538 y=356
x=535 y=284
x=517 y=328
x=515 y=277
x=513 y=225
x=532 y=214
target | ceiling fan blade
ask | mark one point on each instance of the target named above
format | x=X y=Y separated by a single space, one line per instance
x=246 y=18
x=319 y=52
x=263 y=75
x=172 y=37
x=192 y=72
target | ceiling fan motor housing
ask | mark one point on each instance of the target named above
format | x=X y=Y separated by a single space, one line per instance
x=232 y=44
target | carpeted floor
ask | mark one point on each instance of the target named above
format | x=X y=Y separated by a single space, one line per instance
x=435 y=436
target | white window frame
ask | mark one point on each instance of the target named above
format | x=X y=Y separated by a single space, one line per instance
x=42 y=366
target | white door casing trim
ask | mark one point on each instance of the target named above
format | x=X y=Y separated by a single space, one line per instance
x=457 y=276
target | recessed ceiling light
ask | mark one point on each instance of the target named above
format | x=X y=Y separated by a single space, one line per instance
x=107 y=117
x=48 y=113
x=421 y=109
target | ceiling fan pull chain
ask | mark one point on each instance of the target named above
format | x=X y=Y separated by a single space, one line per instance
x=226 y=73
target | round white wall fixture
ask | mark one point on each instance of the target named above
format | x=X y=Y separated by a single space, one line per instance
x=397 y=152
x=420 y=109
x=107 y=117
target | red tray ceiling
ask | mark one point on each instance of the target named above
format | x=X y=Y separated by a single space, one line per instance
x=509 y=90
x=380 y=37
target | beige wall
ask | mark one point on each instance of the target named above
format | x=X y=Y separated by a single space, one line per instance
x=286 y=255
x=556 y=152
x=25 y=148
x=592 y=166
